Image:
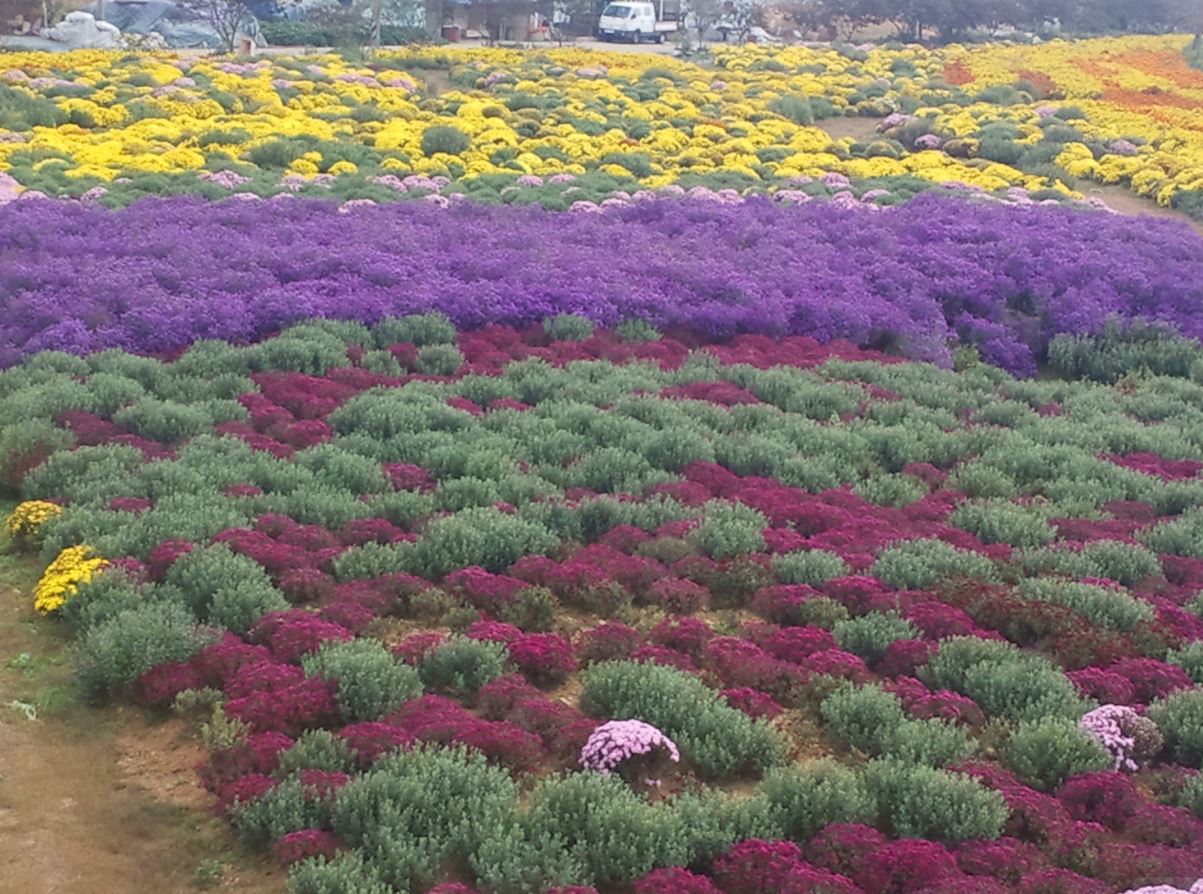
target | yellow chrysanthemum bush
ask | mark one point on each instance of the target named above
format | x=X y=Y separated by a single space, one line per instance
x=62 y=578
x=24 y=522
x=992 y=117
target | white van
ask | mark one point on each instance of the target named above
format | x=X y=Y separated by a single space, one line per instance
x=633 y=20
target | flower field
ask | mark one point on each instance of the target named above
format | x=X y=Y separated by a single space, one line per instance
x=574 y=473
x=1031 y=119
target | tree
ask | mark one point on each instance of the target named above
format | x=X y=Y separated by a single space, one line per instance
x=229 y=18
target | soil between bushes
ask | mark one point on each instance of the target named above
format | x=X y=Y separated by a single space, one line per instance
x=98 y=800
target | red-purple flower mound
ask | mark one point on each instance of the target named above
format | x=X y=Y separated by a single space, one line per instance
x=843 y=847
x=680 y=597
x=291 y=710
x=482 y=589
x=686 y=635
x=608 y=642
x=164 y=555
x=413 y=647
x=751 y=702
x=674 y=880
x=494 y=632
x=1151 y=679
x=257 y=754
x=753 y=866
x=159 y=686
x=1060 y=881
x=1005 y=859
x=905 y=867
x=544 y=658
x=303 y=844
x=368 y=741
x=243 y=790
x=302 y=634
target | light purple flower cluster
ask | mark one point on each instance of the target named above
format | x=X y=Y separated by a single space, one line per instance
x=1196 y=888
x=915 y=279
x=1113 y=726
x=619 y=740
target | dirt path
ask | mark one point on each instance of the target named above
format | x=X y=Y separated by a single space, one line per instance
x=98 y=800
x=1123 y=200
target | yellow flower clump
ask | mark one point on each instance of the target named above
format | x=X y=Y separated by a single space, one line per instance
x=24 y=521
x=645 y=116
x=61 y=580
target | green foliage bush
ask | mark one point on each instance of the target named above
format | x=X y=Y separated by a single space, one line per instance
x=808 y=566
x=347 y=873
x=920 y=564
x=281 y=809
x=719 y=740
x=481 y=536
x=920 y=802
x=316 y=749
x=462 y=666
x=439 y=360
x=371 y=682
x=221 y=586
x=1002 y=680
x=1189 y=658
x=1002 y=521
x=604 y=826
x=445 y=139
x=870 y=635
x=1102 y=606
x=803 y=799
x=113 y=653
x=568 y=327
x=1180 y=718
x=414 y=812
x=1125 y=563
x=728 y=529
x=873 y=721
x=1046 y=752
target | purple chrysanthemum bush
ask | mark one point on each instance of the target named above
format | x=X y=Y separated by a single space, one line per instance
x=629 y=747
x=919 y=278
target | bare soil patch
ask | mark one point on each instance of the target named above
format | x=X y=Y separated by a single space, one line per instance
x=98 y=800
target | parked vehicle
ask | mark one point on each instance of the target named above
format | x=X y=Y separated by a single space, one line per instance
x=634 y=20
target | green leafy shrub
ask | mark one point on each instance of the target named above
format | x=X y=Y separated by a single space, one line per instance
x=462 y=666
x=1125 y=563
x=1191 y=796
x=1046 y=752
x=920 y=802
x=439 y=360
x=284 y=808
x=718 y=739
x=115 y=652
x=532 y=609
x=1103 y=606
x=605 y=826
x=794 y=108
x=1002 y=680
x=347 y=873
x=1002 y=521
x=221 y=586
x=371 y=682
x=808 y=566
x=1121 y=348
x=803 y=799
x=316 y=749
x=920 y=564
x=872 y=720
x=442 y=138
x=568 y=327
x=481 y=536
x=1180 y=717
x=870 y=635
x=729 y=529
x=414 y=812
x=416 y=329
x=1189 y=658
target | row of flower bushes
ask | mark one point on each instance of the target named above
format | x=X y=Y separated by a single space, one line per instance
x=139 y=125
x=945 y=623
x=919 y=279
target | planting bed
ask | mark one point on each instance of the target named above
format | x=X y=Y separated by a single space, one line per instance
x=411 y=570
